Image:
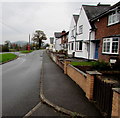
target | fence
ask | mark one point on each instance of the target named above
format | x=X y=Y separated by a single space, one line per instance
x=103 y=95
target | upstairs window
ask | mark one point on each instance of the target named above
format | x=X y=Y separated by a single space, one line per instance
x=111 y=45
x=114 y=17
x=80 y=29
x=72 y=33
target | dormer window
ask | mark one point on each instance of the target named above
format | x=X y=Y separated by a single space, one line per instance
x=113 y=18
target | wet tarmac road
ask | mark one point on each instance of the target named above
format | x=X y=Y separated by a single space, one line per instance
x=20 y=84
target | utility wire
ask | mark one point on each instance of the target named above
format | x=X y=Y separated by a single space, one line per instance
x=10 y=27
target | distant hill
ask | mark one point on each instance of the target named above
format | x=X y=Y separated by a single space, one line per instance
x=21 y=43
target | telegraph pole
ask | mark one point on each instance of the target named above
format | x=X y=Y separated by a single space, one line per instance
x=29 y=38
x=29 y=43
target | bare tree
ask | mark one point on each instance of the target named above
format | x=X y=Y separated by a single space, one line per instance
x=38 y=37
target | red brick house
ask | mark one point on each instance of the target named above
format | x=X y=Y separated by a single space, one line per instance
x=64 y=40
x=107 y=34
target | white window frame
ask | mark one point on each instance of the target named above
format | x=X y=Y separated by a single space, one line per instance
x=78 y=46
x=81 y=29
x=113 y=18
x=72 y=45
x=72 y=32
x=110 y=41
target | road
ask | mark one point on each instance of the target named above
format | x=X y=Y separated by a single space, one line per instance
x=20 y=84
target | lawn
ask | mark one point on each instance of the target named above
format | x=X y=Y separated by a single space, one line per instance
x=26 y=51
x=6 y=57
x=84 y=63
x=96 y=65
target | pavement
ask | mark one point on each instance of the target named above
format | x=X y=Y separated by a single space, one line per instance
x=63 y=94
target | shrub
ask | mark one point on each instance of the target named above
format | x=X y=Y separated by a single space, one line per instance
x=116 y=66
x=5 y=48
x=101 y=65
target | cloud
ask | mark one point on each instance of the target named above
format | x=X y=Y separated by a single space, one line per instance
x=19 y=19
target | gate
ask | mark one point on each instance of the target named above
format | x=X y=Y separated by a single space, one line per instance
x=103 y=96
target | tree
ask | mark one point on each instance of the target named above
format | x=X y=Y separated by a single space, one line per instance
x=7 y=43
x=38 y=37
x=6 y=46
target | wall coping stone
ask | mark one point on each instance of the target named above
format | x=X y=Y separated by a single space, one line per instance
x=94 y=72
x=116 y=90
x=78 y=70
x=68 y=60
x=60 y=59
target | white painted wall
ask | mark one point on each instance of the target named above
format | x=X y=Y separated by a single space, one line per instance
x=57 y=44
x=92 y=45
x=70 y=39
x=83 y=20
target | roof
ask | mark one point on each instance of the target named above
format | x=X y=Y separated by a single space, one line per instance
x=66 y=33
x=57 y=34
x=117 y=5
x=76 y=18
x=93 y=11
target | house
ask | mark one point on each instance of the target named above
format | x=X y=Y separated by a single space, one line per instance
x=61 y=40
x=57 y=41
x=107 y=34
x=64 y=40
x=51 y=46
x=72 y=35
x=82 y=32
x=85 y=46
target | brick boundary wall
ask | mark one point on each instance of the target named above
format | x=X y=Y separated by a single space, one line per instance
x=53 y=56
x=78 y=76
x=84 y=80
x=116 y=103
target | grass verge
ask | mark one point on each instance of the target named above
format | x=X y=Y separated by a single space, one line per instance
x=7 y=57
x=26 y=51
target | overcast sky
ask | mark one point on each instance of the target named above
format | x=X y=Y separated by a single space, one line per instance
x=19 y=19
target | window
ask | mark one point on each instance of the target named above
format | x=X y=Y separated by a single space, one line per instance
x=113 y=18
x=111 y=45
x=72 y=46
x=72 y=33
x=69 y=46
x=80 y=29
x=79 y=46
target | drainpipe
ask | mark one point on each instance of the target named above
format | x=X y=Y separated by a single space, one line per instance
x=75 y=35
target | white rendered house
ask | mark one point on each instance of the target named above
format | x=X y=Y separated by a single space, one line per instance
x=85 y=44
x=57 y=41
x=72 y=36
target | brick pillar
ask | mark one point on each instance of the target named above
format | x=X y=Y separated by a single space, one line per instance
x=116 y=103
x=90 y=83
x=66 y=62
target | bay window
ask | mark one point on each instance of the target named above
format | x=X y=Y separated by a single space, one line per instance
x=111 y=45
